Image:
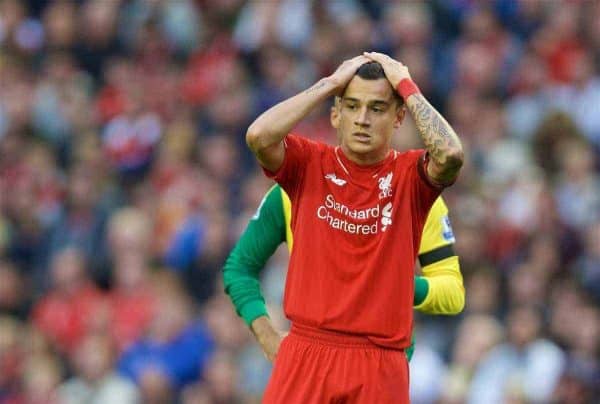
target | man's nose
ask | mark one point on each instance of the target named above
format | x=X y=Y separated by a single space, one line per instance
x=363 y=118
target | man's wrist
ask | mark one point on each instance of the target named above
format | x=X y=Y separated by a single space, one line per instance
x=263 y=329
x=331 y=85
x=406 y=87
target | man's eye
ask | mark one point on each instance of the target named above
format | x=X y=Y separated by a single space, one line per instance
x=377 y=109
x=351 y=106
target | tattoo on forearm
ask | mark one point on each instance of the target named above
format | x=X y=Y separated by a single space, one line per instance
x=315 y=87
x=437 y=134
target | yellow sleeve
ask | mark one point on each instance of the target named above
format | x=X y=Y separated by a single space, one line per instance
x=440 y=266
x=287 y=212
x=437 y=231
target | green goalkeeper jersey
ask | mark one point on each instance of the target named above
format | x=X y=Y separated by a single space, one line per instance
x=439 y=291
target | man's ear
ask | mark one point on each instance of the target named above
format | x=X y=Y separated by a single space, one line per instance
x=400 y=113
x=334 y=113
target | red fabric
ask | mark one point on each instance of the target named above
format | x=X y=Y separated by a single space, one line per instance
x=130 y=316
x=66 y=319
x=562 y=60
x=315 y=368
x=355 y=242
x=406 y=88
x=202 y=82
x=111 y=101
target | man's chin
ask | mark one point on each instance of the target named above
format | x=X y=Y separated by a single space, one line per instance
x=361 y=147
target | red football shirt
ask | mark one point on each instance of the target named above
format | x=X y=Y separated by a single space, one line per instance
x=357 y=231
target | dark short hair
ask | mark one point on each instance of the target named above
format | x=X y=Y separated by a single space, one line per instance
x=374 y=71
x=371 y=71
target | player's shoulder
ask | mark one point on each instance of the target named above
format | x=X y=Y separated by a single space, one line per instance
x=313 y=153
x=437 y=230
x=278 y=196
x=274 y=191
x=409 y=154
x=439 y=207
x=408 y=157
x=271 y=203
x=295 y=140
x=282 y=194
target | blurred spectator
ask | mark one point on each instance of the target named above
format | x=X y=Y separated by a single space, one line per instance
x=476 y=336
x=97 y=41
x=132 y=298
x=588 y=265
x=290 y=21
x=81 y=221
x=176 y=349
x=578 y=384
x=199 y=245
x=578 y=188
x=41 y=376
x=581 y=376
x=59 y=19
x=426 y=367
x=528 y=284
x=129 y=139
x=65 y=313
x=11 y=358
x=525 y=367
x=283 y=77
x=220 y=385
x=530 y=99
x=557 y=41
x=223 y=324
x=580 y=97
x=550 y=136
x=13 y=299
x=95 y=381
x=482 y=292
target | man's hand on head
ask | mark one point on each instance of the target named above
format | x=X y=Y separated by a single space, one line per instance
x=394 y=70
x=344 y=73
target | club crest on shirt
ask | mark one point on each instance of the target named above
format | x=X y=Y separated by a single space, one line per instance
x=385 y=185
x=337 y=181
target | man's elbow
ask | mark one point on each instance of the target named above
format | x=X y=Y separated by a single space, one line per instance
x=252 y=138
x=458 y=302
x=255 y=138
x=449 y=168
x=456 y=296
x=455 y=159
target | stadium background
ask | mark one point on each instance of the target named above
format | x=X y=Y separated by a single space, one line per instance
x=125 y=180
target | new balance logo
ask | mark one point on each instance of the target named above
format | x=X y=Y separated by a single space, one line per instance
x=337 y=181
x=385 y=185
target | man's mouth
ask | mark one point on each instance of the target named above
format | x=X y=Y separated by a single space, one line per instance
x=361 y=136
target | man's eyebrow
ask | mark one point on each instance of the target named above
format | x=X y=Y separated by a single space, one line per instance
x=380 y=102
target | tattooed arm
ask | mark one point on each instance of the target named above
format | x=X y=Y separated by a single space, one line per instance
x=265 y=135
x=445 y=149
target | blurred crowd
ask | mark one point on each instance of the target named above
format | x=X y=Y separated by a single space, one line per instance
x=125 y=181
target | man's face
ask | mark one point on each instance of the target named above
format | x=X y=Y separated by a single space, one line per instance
x=365 y=117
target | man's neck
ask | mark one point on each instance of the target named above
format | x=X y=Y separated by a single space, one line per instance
x=366 y=159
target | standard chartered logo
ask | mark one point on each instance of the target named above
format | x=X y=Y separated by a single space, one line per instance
x=331 y=210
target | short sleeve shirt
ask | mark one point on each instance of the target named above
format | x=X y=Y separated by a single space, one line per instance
x=357 y=231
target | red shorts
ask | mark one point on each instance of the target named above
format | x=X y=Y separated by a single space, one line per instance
x=322 y=367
